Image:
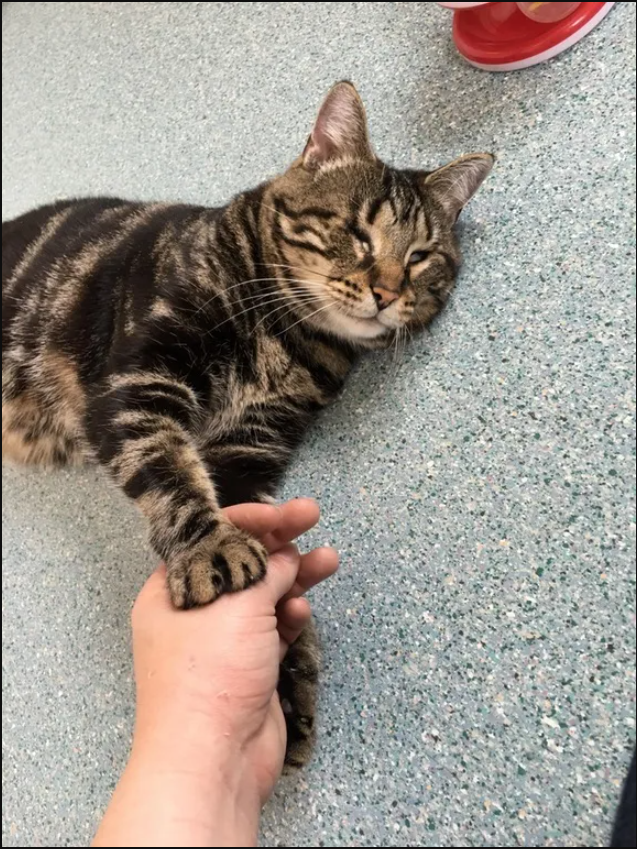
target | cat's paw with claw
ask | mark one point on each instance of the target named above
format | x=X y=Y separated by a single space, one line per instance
x=225 y=561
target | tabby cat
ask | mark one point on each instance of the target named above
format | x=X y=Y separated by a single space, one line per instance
x=187 y=349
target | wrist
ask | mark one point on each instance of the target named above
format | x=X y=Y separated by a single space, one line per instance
x=203 y=784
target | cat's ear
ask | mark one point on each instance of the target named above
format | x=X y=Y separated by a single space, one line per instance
x=455 y=184
x=340 y=131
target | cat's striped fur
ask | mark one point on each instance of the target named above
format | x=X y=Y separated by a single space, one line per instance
x=187 y=349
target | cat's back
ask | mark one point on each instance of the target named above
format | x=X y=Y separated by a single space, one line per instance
x=74 y=259
x=44 y=233
x=80 y=233
x=74 y=275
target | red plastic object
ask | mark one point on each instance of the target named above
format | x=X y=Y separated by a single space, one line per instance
x=499 y=37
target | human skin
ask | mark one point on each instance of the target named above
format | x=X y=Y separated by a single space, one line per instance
x=209 y=737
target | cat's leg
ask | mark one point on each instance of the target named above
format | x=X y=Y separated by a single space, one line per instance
x=141 y=428
x=251 y=473
x=27 y=435
x=245 y=474
x=42 y=406
x=298 y=691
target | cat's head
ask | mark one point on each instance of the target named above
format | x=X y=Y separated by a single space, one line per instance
x=365 y=250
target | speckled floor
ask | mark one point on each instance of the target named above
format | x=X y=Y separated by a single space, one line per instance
x=480 y=648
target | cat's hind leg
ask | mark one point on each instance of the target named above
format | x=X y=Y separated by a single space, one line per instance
x=298 y=691
x=40 y=418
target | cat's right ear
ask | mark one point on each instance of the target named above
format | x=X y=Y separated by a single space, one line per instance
x=455 y=184
x=340 y=131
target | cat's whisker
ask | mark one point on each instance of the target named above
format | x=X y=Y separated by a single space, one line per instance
x=273 y=314
x=271 y=300
x=308 y=283
x=291 y=309
x=269 y=208
x=395 y=357
x=306 y=302
x=274 y=280
x=263 y=296
x=224 y=291
x=305 y=317
x=293 y=268
x=296 y=297
x=309 y=287
x=239 y=314
x=269 y=297
x=398 y=345
x=293 y=304
x=253 y=280
x=258 y=302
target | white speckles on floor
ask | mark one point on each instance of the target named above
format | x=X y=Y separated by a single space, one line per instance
x=479 y=640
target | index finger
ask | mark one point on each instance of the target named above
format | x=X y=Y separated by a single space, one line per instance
x=257 y=519
x=275 y=525
x=296 y=517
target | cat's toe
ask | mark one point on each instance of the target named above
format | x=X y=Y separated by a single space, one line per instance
x=225 y=561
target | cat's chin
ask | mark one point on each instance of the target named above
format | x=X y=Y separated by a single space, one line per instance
x=361 y=330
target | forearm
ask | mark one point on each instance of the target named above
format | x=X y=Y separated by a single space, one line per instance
x=171 y=795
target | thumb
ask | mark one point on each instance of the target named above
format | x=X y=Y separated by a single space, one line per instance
x=155 y=590
x=153 y=597
x=283 y=568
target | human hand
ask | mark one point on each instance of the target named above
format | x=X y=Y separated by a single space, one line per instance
x=206 y=678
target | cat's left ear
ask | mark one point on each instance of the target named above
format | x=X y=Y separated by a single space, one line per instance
x=455 y=184
x=340 y=130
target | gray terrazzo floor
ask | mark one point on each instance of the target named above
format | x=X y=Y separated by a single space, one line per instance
x=479 y=639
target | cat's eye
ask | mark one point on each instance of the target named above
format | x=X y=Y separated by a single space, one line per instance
x=361 y=239
x=416 y=257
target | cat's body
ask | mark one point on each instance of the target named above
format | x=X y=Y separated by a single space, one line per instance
x=187 y=349
x=117 y=297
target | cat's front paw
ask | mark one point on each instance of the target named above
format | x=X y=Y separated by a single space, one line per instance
x=225 y=561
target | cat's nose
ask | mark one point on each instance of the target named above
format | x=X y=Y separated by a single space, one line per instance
x=384 y=297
